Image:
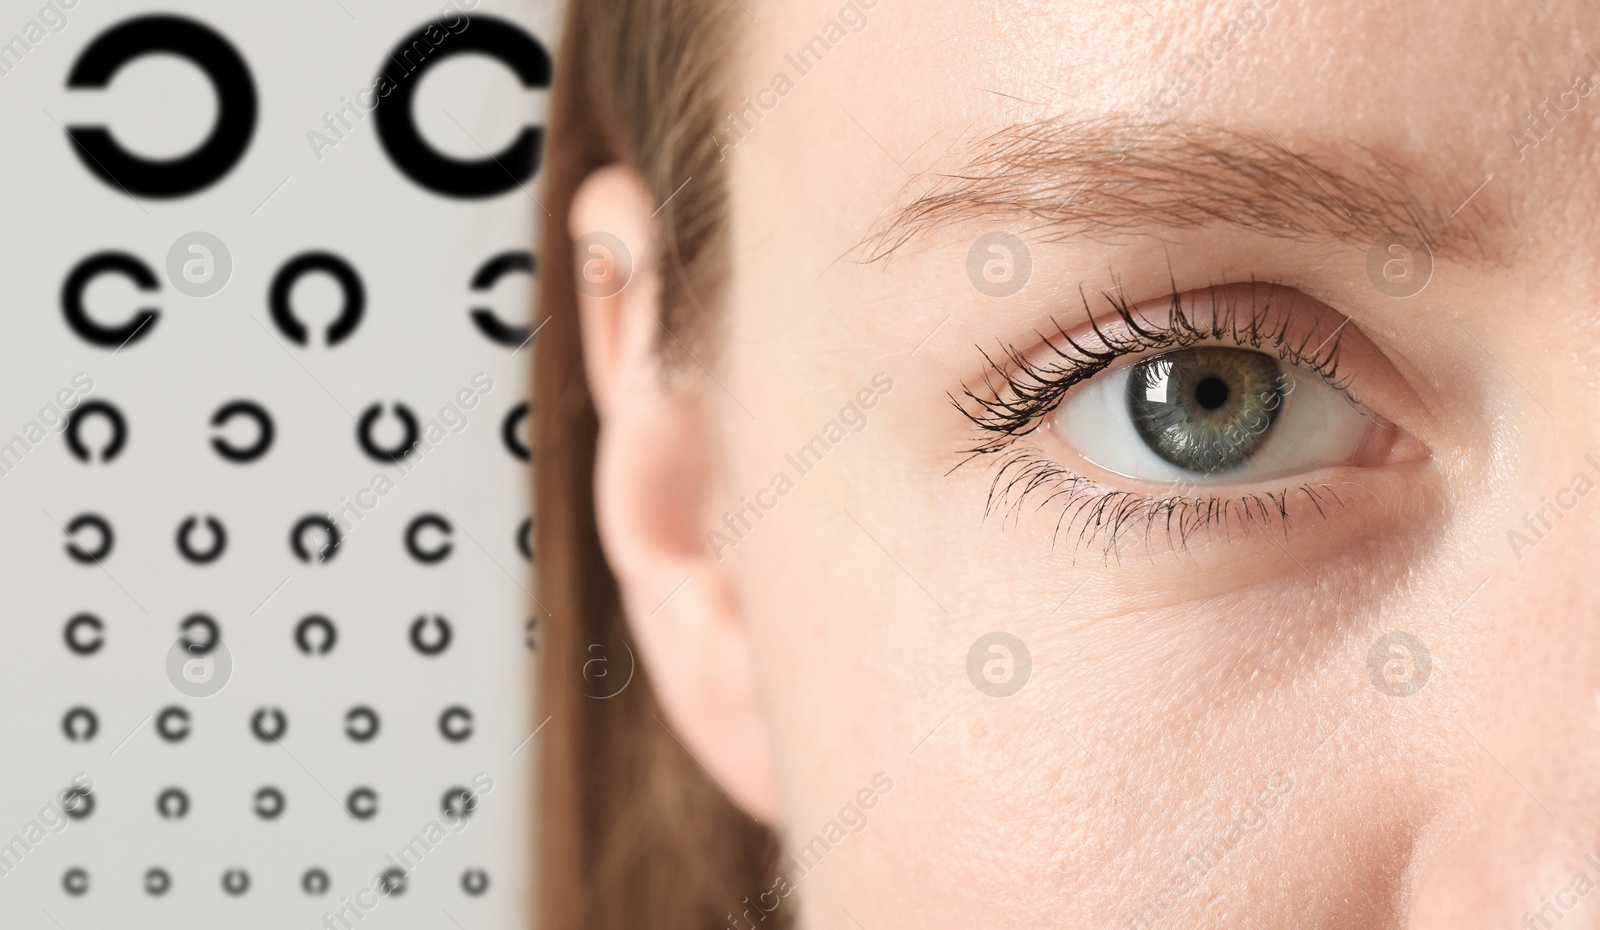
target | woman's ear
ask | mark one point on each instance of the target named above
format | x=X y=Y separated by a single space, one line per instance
x=657 y=469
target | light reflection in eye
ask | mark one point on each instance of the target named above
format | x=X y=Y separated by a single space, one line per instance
x=1155 y=379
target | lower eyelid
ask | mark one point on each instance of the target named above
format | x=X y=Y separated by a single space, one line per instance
x=1085 y=514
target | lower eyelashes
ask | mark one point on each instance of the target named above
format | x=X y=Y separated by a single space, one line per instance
x=1089 y=514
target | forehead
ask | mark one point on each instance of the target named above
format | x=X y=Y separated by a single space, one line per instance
x=845 y=114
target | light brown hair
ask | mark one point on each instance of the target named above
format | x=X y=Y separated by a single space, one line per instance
x=633 y=833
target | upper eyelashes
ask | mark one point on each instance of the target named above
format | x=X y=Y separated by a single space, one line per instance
x=1020 y=387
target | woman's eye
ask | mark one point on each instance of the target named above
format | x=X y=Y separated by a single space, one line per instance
x=1211 y=414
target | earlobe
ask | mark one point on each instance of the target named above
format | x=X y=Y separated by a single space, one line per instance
x=656 y=472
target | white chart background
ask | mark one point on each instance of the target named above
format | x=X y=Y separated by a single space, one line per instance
x=415 y=252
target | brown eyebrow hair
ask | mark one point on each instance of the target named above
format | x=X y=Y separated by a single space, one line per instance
x=1106 y=176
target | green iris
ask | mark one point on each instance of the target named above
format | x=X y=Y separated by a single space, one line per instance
x=1205 y=409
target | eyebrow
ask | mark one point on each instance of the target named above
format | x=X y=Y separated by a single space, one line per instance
x=1107 y=176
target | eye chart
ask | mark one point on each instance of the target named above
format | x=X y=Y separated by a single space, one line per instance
x=267 y=275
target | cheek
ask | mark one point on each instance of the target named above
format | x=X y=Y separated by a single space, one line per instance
x=867 y=589
x=865 y=603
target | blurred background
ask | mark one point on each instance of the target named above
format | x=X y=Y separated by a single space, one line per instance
x=266 y=272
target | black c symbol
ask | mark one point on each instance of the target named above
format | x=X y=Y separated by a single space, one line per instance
x=86 y=556
x=428 y=556
x=475 y=882
x=236 y=881
x=392 y=881
x=256 y=449
x=441 y=639
x=80 y=718
x=269 y=803
x=460 y=802
x=219 y=541
x=75 y=881
x=204 y=644
x=314 y=882
x=525 y=539
x=492 y=271
x=173 y=804
x=297 y=539
x=368 y=727
x=452 y=177
x=455 y=724
x=156 y=882
x=207 y=50
x=108 y=337
x=173 y=732
x=119 y=429
x=77 y=802
x=76 y=643
x=302 y=635
x=362 y=803
x=372 y=449
x=268 y=724
x=508 y=432
x=355 y=296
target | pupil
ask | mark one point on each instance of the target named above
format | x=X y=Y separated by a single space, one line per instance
x=1205 y=409
x=1211 y=393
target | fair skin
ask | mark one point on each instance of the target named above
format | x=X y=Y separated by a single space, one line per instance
x=1172 y=682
